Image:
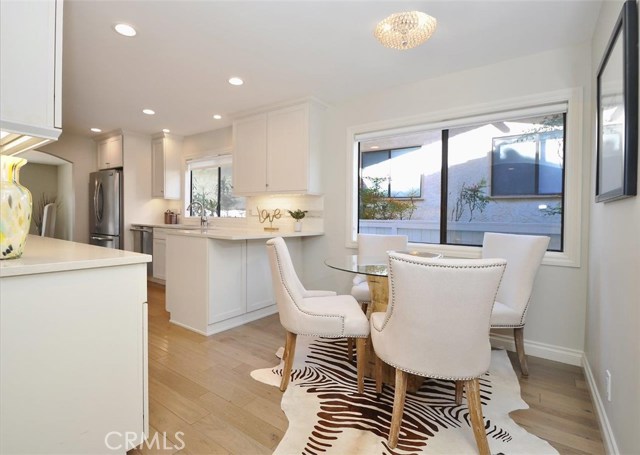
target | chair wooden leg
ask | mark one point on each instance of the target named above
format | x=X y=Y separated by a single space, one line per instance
x=378 y=373
x=350 y=349
x=475 y=413
x=361 y=361
x=289 y=354
x=518 y=336
x=398 y=407
x=459 y=385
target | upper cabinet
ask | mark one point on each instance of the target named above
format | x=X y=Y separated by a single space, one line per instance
x=166 y=150
x=31 y=70
x=110 y=152
x=278 y=151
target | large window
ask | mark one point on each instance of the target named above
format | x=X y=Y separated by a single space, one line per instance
x=450 y=185
x=210 y=189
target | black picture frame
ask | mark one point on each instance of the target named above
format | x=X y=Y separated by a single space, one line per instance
x=617 y=116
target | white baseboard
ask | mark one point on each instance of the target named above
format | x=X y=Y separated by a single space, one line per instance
x=537 y=349
x=603 y=420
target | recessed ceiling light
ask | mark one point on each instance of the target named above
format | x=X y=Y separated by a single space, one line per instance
x=217 y=116
x=125 y=30
x=148 y=111
x=96 y=130
x=236 y=81
x=374 y=147
x=166 y=130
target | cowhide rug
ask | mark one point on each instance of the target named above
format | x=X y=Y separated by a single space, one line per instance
x=327 y=415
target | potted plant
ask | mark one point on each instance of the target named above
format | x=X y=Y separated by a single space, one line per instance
x=297 y=215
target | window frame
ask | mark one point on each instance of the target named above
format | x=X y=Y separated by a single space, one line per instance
x=522 y=106
x=204 y=162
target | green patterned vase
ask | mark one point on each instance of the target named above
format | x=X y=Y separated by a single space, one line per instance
x=15 y=208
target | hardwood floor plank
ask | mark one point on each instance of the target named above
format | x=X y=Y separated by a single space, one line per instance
x=234 y=440
x=176 y=429
x=181 y=406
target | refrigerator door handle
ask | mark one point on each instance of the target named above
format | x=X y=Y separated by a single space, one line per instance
x=106 y=239
x=99 y=201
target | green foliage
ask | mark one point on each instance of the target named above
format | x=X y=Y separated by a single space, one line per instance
x=207 y=195
x=551 y=211
x=297 y=214
x=376 y=205
x=470 y=197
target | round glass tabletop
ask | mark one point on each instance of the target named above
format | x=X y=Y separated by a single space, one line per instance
x=369 y=265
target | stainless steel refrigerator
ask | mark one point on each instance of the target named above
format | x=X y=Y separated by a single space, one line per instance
x=106 y=209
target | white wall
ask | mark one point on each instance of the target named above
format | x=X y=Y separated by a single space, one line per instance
x=612 y=339
x=81 y=152
x=139 y=206
x=557 y=313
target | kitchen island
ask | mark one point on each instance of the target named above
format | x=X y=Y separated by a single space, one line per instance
x=73 y=349
x=220 y=278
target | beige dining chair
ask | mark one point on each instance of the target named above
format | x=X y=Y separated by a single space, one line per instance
x=372 y=246
x=313 y=313
x=437 y=325
x=48 y=220
x=524 y=255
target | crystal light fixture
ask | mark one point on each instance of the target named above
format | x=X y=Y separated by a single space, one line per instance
x=405 y=30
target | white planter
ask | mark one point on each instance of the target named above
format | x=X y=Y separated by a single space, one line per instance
x=297 y=227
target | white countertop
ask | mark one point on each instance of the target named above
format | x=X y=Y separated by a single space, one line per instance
x=43 y=255
x=168 y=226
x=240 y=234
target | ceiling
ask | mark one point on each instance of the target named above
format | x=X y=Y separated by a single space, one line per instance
x=185 y=51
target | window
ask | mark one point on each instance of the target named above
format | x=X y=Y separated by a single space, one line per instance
x=209 y=186
x=451 y=184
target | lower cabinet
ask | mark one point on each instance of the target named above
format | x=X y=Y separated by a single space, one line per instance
x=225 y=283
x=159 y=254
x=73 y=357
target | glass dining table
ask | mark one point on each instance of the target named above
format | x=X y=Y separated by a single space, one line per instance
x=375 y=268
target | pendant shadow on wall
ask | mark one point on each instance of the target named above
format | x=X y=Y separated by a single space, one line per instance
x=50 y=181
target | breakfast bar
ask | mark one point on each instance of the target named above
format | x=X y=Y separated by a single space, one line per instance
x=220 y=278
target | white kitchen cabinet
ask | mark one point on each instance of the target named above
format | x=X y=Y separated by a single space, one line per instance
x=31 y=70
x=110 y=152
x=159 y=254
x=225 y=284
x=73 y=349
x=278 y=151
x=166 y=152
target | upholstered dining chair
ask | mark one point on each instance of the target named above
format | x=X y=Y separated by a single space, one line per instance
x=437 y=325
x=315 y=313
x=524 y=254
x=374 y=245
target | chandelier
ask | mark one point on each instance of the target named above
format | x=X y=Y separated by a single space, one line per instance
x=405 y=30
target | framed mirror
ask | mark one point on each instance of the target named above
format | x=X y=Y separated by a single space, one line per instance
x=617 y=104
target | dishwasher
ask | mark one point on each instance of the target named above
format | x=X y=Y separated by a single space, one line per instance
x=143 y=243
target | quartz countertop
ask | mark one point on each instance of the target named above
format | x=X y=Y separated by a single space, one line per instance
x=240 y=233
x=44 y=255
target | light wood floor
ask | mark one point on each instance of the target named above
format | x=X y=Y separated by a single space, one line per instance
x=201 y=386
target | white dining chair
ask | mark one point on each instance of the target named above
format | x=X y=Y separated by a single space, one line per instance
x=372 y=246
x=313 y=313
x=48 y=220
x=437 y=325
x=524 y=255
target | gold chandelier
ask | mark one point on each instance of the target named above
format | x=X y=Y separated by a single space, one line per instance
x=405 y=30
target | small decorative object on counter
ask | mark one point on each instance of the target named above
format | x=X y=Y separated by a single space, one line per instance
x=297 y=215
x=264 y=215
x=170 y=217
x=15 y=208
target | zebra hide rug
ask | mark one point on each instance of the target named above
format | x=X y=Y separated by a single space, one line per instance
x=327 y=416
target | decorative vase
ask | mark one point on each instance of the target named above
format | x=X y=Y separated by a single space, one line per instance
x=15 y=208
x=297 y=227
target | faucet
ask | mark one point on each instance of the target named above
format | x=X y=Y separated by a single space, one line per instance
x=203 y=218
